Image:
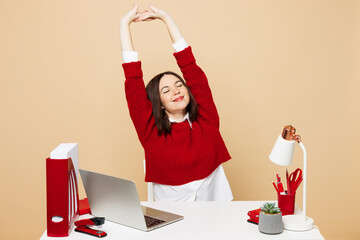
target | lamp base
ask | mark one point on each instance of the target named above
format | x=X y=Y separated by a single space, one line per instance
x=298 y=223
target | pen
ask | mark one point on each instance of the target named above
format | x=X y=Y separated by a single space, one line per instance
x=279 y=184
x=275 y=187
x=287 y=181
x=277 y=177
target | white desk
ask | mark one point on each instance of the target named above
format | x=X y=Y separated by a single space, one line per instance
x=202 y=220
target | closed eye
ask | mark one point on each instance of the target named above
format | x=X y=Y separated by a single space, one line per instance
x=179 y=84
x=165 y=89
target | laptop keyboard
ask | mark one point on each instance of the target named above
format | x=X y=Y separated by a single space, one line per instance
x=150 y=221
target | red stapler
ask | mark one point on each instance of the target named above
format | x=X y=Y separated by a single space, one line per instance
x=83 y=226
x=254 y=216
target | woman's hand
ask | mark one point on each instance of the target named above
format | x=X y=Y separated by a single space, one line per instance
x=131 y=16
x=152 y=14
x=148 y=15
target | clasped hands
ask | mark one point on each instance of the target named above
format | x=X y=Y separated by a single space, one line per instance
x=144 y=16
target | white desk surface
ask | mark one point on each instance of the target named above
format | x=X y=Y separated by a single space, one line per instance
x=202 y=220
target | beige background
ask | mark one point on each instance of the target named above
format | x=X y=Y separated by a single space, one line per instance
x=269 y=63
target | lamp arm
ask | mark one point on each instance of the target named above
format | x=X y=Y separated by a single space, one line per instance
x=304 y=177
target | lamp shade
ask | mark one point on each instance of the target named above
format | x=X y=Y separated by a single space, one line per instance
x=282 y=152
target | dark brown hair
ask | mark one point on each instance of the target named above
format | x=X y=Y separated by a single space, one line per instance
x=161 y=119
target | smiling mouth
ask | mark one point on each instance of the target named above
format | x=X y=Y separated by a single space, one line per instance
x=178 y=99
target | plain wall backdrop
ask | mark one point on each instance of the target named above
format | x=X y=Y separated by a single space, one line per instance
x=269 y=64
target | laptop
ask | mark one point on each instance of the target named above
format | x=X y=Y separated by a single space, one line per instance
x=117 y=200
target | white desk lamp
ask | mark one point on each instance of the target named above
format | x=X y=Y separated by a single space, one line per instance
x=282 y=154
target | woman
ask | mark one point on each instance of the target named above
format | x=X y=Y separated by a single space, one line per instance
x=177 y=123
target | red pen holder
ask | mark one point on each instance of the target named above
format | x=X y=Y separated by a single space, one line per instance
x=286 y=203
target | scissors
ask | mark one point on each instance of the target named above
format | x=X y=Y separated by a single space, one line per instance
x=295 y=179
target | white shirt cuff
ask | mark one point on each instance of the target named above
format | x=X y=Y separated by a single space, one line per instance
x=180 y=45
x=130 y=56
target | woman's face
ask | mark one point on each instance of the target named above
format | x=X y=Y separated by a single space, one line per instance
x=174 y=95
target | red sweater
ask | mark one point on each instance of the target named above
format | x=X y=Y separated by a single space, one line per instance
x=187 y=153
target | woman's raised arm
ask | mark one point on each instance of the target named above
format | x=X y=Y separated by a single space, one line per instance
x=125 y=34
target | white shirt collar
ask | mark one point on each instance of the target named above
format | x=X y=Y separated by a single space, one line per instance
x=186 y=117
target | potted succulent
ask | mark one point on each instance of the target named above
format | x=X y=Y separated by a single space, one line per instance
x=270 y=219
